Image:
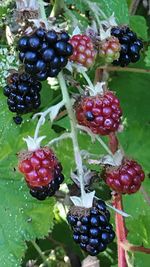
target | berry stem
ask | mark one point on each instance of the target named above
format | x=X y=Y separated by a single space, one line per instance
x=57 y=8
x=121 y=232
x=37 y=248
x=73 y=124
x=130 y=247
x=41 y=121
x=42 y=11
x=86 y=77
x=63 y=136
x=125 y=69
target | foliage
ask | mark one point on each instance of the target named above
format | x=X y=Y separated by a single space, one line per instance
x=25 y=219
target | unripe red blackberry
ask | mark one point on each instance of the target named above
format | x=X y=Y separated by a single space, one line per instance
x=101 y=113
x=42 y=171
x=130 y=45
x=22 y=92
x=44 y=53
x=109 y=49
x=125 y=179
x=91 y=227
x=83 y=50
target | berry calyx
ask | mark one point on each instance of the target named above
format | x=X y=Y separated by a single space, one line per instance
x=42 y=171
x=125 y=179
x=22 y=92
x=83 y=50
x=45 y=53
x=130 y=45
x=109 y=49
x=91 y=227
x=101 y=113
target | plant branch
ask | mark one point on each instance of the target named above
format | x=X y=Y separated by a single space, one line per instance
x=130 y=247
x=40 y=252
x=62 y=137
x=135 y=70
x=133 y=7
x=73 y=123
x=121 y=231
x=57 y=8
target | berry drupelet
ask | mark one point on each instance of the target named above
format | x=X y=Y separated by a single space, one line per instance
x=83 y=50
x=91 y=227
x=42 y=171
x=45 y=53
x=130 y=45
x=109 y=49
x=100 y=113
x=22 y=92
x=126 y=179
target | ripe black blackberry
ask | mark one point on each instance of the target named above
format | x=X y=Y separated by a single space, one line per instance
x=91 y=227
x=22 y=93
x=45 y=53
x=130 y=45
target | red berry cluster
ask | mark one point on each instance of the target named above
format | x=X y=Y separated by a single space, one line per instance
x=41 y=168
x=100 y=113
x=83 y=52
x=126 y=179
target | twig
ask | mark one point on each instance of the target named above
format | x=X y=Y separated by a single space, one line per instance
x=121 y=231
x=135 y=70
x=133 y=7
x=130 y=247
x=40 y=252
x=73 y=123
x=62 y=137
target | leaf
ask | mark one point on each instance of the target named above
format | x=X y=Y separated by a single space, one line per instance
x=147 y=58
x=119 y=8
x=139 y=25
x=22 y=217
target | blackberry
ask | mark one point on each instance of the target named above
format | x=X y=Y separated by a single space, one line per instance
x=45 y=53
x=130 y=45
x=22 y=92
x=84 y=52
x=43 y=172
x=126 y=179
x=101 y=113
x=91 y=227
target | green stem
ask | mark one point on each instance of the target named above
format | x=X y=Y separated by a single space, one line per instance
x=37 y=248
x=42 y=11
x=57 y=8
x=73 y=123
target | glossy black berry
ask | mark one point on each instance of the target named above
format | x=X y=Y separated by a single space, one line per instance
x=40 y=33
x=89 y=116
x=34 y=43
x=17 y=120
x=130 y=45
x=22 y=92
x=92 y=230
x=45 y=53
x=23 y=44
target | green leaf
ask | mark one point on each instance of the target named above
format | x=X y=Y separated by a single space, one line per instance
x=22 y=217
x=147 y=58
x=119 y=8
x=139 y=25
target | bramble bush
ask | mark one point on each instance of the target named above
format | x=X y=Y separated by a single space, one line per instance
x=74 y=124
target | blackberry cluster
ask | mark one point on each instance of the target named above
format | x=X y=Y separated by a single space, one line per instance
x=45 y=53
x=130 y=45
x=126 y=179
x=43 y=172
x=22 y=93
x=91 y=227
x=101 y=113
